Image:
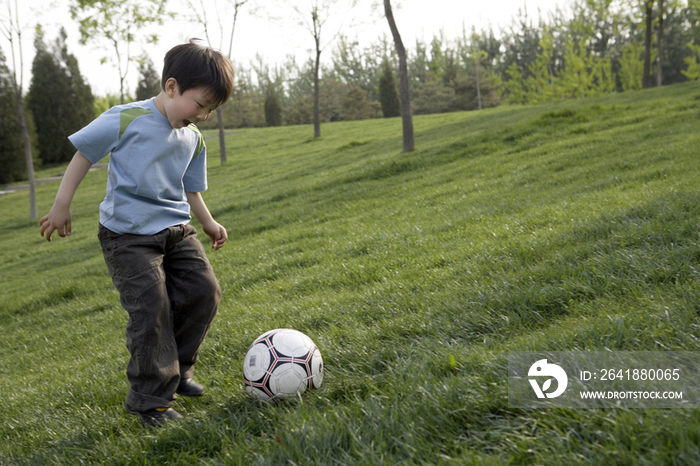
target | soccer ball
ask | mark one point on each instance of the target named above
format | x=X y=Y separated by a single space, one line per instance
x=282 y=363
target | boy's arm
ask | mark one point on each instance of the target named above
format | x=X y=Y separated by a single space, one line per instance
x=59 y=217
x=216 y=232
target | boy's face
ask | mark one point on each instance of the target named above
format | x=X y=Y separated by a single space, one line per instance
x=192 y=106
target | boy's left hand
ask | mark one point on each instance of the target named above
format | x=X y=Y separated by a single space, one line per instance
x=217 y=233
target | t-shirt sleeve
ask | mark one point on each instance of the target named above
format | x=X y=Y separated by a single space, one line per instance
x=99 y=138
x=195 y=179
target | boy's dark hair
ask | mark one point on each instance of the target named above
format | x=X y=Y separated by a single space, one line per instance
x=194 y=65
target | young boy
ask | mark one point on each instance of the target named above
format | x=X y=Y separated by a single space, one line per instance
x=157 y=170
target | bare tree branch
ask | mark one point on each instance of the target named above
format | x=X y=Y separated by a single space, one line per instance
x=12 y=28
x=313 y=17
x=204 y=22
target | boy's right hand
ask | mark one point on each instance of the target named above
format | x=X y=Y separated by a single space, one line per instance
x=58 y=219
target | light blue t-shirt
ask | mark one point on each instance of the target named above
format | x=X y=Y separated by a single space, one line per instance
x=151 y=167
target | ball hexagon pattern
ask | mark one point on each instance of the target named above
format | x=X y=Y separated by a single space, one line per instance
x=282 y=363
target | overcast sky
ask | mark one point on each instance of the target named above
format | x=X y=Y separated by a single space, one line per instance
x=272 y=40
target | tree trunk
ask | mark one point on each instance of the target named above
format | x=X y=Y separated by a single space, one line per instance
x=220 y=111
x=222 y=136
x=27 y=153
x=646 y=79
x=406 y=114
x=10 y=30
x=317 y=93
x=659 y=45
x=478 y=87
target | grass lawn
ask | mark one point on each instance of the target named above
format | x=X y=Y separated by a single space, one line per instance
x=566 y=226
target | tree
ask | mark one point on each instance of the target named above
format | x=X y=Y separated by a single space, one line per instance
x=477 y=55
x=471 y=71
x=418 y=68
x=660 y=46
x=361 y=67
x=355 y=105
x=301 y=112
x=576 y=78
x=104 y=103
x=273 y=109
x=521 y=43
x=631 y=67
x=692 y=72
x=540 y=83
x=648 y=16
x=244 y=110
x=514 y=85
x=149 y=81
x=59 y=98
x=333 y=94
x=200 y=16
x=47 y=89
x=432 y=97
x=12 y=165
x=315 y=15
x=584 y=74
x=83 y=99
x=436 y=65
x=115 y=24
x=388 y=92
x=468 y=98
x=12 y=30
x=406 y=115
x=681 y=26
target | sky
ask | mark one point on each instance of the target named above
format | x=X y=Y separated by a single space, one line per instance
x=273 y=39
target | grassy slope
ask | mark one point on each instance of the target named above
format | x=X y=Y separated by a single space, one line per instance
x=558 y=227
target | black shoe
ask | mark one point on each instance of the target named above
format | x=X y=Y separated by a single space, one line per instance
x=158 y=416
x=189 y=387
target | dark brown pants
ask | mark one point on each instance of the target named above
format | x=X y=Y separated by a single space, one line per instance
x=169 y=290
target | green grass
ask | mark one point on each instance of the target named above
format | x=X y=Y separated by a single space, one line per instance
x=568 y=226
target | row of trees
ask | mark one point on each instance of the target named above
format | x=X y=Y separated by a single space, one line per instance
x=12 y=165
x=599 y=46
x=115 y=23
x=360 y=82
x=59 y=102
x=605 y=47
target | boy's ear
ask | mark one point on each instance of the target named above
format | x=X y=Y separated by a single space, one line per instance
x=171 y=87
